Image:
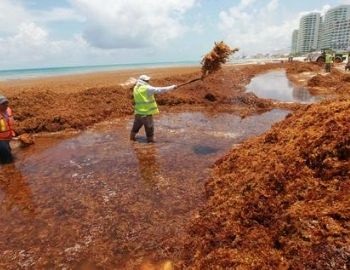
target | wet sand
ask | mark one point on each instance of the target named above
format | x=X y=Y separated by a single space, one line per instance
x=96 y=198
x=288 y=164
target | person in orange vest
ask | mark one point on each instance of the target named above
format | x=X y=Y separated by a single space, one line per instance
x=146 y=106
x=6 y=131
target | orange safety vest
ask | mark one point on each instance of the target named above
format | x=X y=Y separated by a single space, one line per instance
x=6 y=125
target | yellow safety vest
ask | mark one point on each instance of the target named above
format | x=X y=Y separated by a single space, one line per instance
x=329 y=58
x=144 y=104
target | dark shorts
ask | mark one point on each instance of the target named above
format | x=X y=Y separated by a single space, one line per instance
x=5 y=152
x=143 y=120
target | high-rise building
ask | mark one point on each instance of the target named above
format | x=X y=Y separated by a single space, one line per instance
x=331 y=31
x=336 y=28
x=308 y=34
x=295 y=41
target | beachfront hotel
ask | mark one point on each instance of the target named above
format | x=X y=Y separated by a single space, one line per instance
x=308 y=34
x=336 y=28
x=316 y=32
x=295 y=41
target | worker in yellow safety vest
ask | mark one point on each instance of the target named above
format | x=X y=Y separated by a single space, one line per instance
x=6 y=131
x=146 y=106
x=347 y=66
x=328 y=61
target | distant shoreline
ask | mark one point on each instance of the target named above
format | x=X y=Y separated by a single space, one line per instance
x=70 y=83
x=33 y=73
x=75 y=82
x=46 y=72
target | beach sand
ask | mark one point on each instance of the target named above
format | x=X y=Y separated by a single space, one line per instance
x=78 y=82
x=77 y=101
x=268 y=200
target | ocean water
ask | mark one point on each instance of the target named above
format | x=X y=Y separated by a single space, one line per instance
x=14 y=74
x=29 y=73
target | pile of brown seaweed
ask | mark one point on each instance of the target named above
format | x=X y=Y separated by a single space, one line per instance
x=300 y=67
x=281 y=200
x=49 y=110
x=26 y=139
x=213 y=60
x=334 y=82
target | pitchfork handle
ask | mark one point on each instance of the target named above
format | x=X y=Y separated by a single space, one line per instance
x=191 y=81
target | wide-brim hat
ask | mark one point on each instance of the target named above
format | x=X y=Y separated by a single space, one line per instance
x=144 y=78
x=3 y=100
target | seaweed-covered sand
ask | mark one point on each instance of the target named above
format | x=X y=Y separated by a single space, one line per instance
x=278 y=201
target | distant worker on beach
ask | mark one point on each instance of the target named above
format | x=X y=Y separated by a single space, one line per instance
x=6 y=131
x=146 y=106
x=328 y=61
x=347 y=66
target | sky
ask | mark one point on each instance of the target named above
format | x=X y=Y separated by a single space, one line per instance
x=50 y=33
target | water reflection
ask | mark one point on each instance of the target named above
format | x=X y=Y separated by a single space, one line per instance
x=101 y=200
x=204 y=150
x=148 y=164
x=301 y=95
x=15 y=193
x=275 y=85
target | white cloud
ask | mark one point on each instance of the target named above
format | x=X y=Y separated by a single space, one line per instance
x=29 y=34
x=114 y=28
x=256 y=30
x=117 y=25
x=12 y=14
x=30 y=42
x=26 y=42
x=323 y=11
x=137 y=23
x=32 y=47
x=58 y=14
x=246 y=3
x=272 y=6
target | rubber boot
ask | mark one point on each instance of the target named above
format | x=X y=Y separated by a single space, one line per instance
x=132 y=136
x=150 y=139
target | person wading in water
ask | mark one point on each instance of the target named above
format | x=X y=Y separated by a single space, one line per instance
x=146 y=106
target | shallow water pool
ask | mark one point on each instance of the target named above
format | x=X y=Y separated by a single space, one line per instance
x=95 y=199
x=275 y=85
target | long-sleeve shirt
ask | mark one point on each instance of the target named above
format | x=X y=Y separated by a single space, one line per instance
x=151 y=90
